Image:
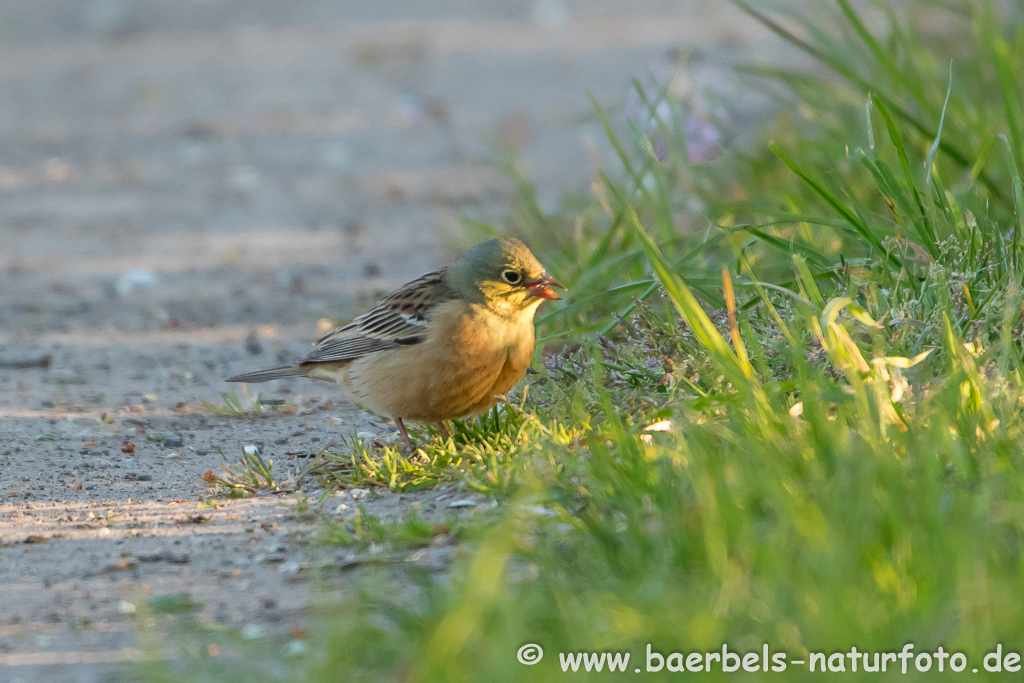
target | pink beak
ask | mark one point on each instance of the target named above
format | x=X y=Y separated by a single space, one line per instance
x=541 y=287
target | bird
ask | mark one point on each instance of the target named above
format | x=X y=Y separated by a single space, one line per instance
x=447 y=345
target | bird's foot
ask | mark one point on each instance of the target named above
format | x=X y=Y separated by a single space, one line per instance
x=405 y=434
x=444 y=431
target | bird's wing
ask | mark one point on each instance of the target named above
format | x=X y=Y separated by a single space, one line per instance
x=398 y=320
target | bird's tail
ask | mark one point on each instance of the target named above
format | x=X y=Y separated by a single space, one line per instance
x=267 y=375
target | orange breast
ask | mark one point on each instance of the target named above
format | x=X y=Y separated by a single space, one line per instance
x=469 y=356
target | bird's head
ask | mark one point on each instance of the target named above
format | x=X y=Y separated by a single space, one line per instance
x=502 y=274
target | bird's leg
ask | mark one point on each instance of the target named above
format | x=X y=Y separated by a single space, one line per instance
x=404 y=433
x=444 y=431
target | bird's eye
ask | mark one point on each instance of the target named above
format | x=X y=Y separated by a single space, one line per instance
x=511 y=277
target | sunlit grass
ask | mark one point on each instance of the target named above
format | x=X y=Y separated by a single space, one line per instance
x=249 y=474
x=476 y=455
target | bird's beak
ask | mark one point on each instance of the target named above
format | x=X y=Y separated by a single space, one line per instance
x=541 y=287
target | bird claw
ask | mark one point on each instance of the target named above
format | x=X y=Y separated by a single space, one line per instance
x=405 y=435
x=445 y=435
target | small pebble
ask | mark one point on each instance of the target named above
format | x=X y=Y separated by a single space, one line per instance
x=252 y=344
x=251 y=632
x=280 y=441
x=173 y=441
x=201 y=451
x=145 y=477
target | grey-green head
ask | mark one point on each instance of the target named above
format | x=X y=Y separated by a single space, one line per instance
x=502 y=273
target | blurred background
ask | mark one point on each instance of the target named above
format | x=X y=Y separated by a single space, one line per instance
x=239 y=162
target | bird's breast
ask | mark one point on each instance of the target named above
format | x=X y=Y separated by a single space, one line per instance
x=469 y=356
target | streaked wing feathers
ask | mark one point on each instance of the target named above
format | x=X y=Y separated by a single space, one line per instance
x=398 y=320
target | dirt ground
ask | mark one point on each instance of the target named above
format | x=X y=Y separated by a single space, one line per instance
x=186 y=189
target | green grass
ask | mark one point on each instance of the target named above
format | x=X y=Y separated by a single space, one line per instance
x=832 y=348
x=250 y=474
x=233 y=405
x=481 y=455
